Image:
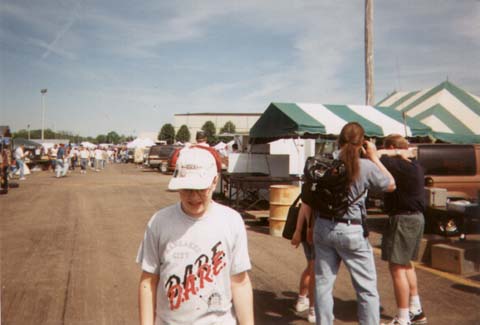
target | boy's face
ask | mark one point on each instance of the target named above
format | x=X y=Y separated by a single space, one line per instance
x=196 y=202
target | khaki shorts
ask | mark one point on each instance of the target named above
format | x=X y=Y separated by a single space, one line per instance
x=401 y=238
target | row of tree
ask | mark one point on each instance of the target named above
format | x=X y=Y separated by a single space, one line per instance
x=110 y=137
x=167 y=133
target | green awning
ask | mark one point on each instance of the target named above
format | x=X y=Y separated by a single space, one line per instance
x=306 y=120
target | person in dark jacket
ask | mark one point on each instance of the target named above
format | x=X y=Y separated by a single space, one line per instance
x=402 y=236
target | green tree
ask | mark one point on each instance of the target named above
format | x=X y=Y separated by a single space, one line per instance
x=167 y=133
x=183 y=134
x=210 y=131
x=22 y=134
x=229 y=127
x=113 y=137
x=101 y=138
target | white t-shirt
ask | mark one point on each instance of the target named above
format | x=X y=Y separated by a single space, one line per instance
x=98 y=154
x=84 y=154
x=195 y=258
x=53 y=153
x=18 y=153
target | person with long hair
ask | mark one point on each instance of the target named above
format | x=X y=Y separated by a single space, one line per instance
x=342 y=239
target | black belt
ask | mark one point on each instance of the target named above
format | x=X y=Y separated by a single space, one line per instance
x=405 y=212
x=341 y=220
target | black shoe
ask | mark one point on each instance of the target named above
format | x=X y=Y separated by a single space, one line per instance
x=418 y=319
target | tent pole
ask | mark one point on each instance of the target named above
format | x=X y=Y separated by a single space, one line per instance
x=405 y=123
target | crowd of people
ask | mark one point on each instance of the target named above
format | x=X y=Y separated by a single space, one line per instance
x=62 y=159
x=65 y=158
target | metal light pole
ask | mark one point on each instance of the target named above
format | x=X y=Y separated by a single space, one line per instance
x=28 y=128
x=43 y=92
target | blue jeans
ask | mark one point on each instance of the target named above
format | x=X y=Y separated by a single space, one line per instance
x=336 y=242
x=21 y=167
x=83 y=163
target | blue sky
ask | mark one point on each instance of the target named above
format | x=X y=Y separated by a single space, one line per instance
x=130 y=66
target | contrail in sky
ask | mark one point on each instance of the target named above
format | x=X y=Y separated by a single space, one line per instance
x=62 y=32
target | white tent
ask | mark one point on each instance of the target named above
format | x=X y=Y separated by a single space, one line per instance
x=88 y=145
x=140 y=143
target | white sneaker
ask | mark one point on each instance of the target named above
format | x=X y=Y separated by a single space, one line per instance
x=397 y=321
x=22 y=178
x=311 y=315
x=302 y=304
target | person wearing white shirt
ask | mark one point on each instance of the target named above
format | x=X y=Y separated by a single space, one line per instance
x=19 y=156
x=84 y=155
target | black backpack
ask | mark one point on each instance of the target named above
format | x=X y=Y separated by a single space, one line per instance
x=326 y=186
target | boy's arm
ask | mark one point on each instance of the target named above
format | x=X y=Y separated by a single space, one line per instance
x=242 y=295
x=147 y=296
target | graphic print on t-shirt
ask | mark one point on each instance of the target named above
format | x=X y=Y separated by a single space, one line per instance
x=182 y=287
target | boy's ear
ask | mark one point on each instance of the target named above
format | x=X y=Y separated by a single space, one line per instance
x=214 y=182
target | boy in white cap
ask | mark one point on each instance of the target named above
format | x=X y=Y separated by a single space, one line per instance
x=194 y=254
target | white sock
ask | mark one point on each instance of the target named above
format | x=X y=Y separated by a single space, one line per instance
x=415 y=305
x=403 y=315
x=302 y=297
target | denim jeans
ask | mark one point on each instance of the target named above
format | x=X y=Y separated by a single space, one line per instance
x=336 y=242
x=21 y=167
x=83 y=163
x=59 y=165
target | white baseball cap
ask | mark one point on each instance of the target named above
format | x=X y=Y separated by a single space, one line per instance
x=195 y=170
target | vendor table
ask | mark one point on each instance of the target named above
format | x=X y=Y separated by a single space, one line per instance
x=248 y=186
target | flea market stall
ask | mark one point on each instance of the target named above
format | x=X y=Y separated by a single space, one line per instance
x=312 y=121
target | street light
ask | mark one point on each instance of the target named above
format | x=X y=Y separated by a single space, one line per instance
x=28 y=128
x=43 y=92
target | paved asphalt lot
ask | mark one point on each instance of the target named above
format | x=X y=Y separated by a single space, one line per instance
x=68 y=250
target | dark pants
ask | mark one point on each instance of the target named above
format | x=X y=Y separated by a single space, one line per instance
x=4 y=180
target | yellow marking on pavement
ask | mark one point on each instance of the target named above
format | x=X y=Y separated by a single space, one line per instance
x=449 y=276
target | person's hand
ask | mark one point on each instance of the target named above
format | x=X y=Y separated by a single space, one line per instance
x=405 y=155
x=369 y=150
x=296 y=238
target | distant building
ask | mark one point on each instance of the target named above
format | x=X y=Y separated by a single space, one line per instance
x=194 y=121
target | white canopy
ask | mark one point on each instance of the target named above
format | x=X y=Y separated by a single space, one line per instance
x=140 y=143
x=88 y=145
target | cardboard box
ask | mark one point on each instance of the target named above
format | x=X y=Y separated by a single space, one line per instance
x=435 y=196
x=453 y=259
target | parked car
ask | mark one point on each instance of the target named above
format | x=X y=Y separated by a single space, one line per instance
x=171 y=161
x=455 y=167
x=158 y=156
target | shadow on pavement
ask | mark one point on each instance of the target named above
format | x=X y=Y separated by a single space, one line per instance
x=467 y=289
x=271 y=309
x=259 y=226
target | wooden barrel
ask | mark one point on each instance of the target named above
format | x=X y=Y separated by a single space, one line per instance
x=281 y=198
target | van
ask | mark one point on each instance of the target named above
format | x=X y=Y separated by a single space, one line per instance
x=158 y=156
x=455 y=167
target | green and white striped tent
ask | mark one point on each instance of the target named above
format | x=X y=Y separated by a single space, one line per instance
x=452 y=113
x=307 y=120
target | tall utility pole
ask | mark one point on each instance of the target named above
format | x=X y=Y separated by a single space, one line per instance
x=43 y=92
x=369 y=100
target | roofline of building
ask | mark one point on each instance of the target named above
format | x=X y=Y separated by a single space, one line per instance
x=219 y=114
